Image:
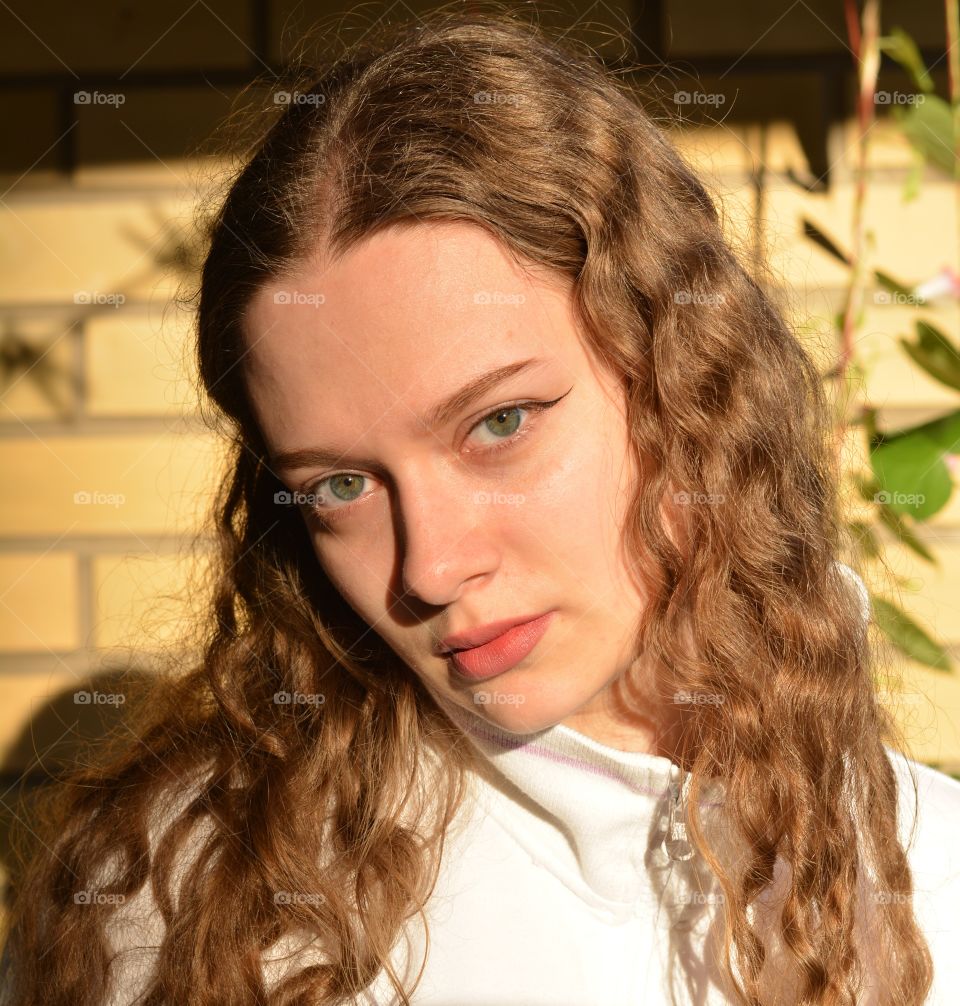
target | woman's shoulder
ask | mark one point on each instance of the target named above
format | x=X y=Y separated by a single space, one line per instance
x=929 y=823
x=135 y=928
x=929 y=802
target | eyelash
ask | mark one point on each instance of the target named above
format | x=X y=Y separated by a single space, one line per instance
x=327 y=516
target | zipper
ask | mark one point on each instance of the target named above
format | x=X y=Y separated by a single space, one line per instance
x=675 y=843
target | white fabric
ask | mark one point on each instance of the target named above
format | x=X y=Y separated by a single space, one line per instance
x=559 y=890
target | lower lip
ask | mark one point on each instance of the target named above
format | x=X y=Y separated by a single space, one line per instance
x=500 y=654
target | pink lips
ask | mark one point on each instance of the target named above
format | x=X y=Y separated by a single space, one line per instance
x=502 y=652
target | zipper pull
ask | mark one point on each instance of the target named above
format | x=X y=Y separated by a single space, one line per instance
x=675 y=842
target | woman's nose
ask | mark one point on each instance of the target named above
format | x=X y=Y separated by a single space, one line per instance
x=447 y=537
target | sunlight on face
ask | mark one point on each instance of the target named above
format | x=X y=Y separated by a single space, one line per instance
x=506 y=506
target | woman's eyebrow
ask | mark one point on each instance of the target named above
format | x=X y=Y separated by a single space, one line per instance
x=435 y=417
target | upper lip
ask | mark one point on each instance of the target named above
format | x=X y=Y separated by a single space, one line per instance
x=482 y=634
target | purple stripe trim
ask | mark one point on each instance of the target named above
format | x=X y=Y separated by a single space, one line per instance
x=541 y=751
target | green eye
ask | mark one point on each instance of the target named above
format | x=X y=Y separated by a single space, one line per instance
x=512 y=422
x=346 y=487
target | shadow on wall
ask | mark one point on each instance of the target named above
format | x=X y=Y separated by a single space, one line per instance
x=68 y=730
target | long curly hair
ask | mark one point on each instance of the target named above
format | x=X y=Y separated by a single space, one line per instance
x=486 y=118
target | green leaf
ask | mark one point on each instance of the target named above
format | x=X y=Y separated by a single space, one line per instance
x=935 y=354
x=898 y=45
x=944 y=431
x=928 y=125
x=892 y=285
x=908 y=636
x=911 y=473
x=817 y=236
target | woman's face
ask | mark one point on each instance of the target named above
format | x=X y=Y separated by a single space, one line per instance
x=438 y=521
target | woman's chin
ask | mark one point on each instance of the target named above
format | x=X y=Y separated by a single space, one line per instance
x=516 y=712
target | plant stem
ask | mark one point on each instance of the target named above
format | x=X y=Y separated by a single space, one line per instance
x=864 y=42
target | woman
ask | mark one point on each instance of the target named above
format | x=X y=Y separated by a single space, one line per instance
x=531 y=675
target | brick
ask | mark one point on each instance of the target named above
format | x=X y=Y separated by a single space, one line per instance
x=124 y=124
x=139 y=363
x=340 y=23
x=931 y=593
x=700 y=27
x=84 y=254
x=100 y=35
x=145 y=601
x=928 y=713
x=714 y=150
x=135 y=484
x=39 y=602
x=31 y=130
